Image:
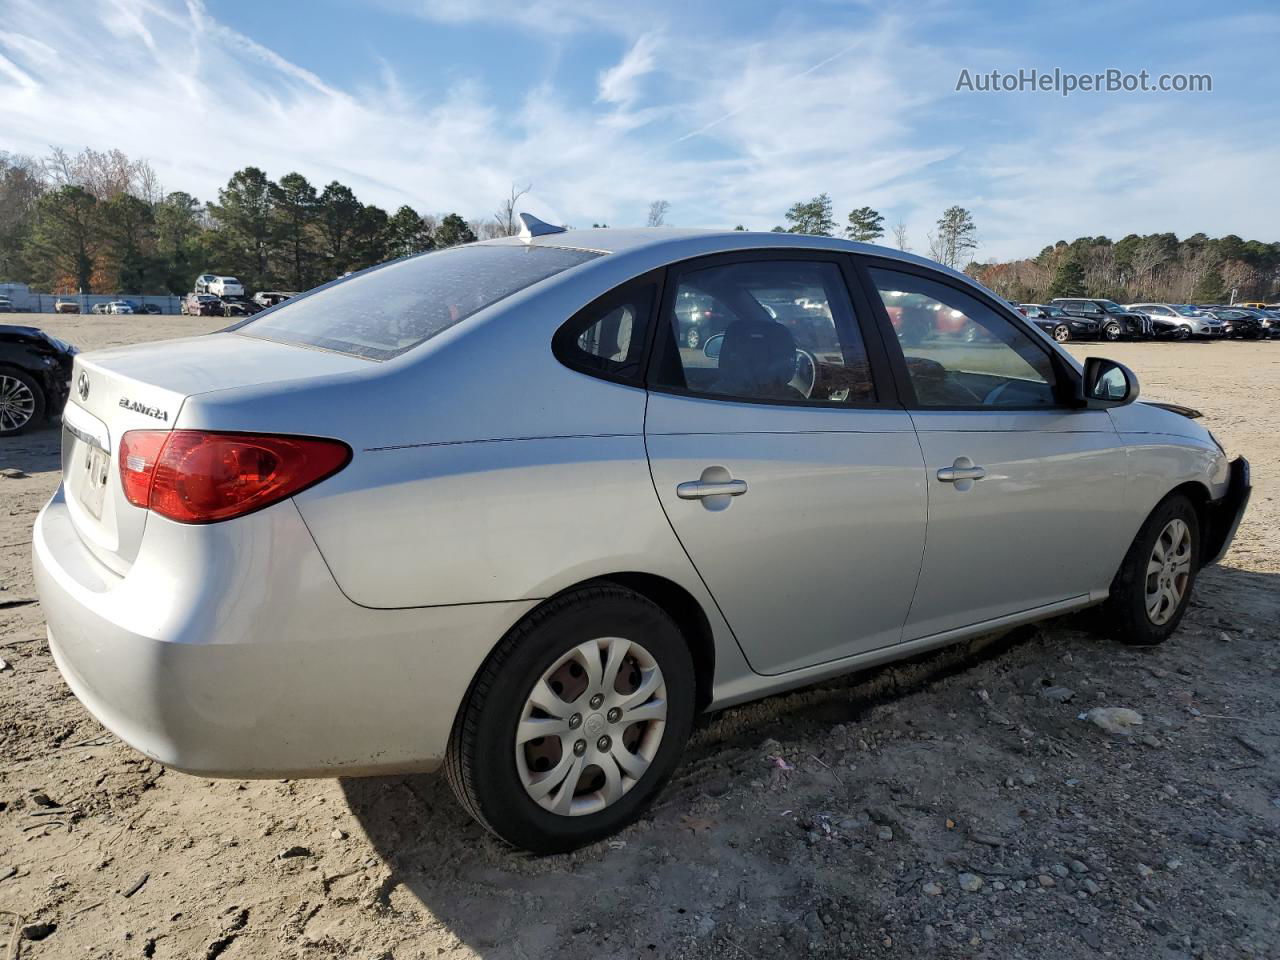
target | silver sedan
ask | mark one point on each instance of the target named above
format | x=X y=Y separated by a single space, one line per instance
x=485 y=509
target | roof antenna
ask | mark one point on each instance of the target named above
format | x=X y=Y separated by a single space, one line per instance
x=531 y=226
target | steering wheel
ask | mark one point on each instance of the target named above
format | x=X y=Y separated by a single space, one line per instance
x=806 y=377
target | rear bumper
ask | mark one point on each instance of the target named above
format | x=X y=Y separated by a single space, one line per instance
x=1225 y=514
x=253 y=665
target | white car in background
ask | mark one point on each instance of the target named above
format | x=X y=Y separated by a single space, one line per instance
x=1195 y=322
x=226 y=287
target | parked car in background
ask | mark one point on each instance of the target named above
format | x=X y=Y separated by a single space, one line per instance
x=1245 y=324
x=1114 y=321
x=200 y=305
x=100 y=309
x=150 y=308
x=1251 y=304
x=66 y=306
x=226 y=287
x=119 y=307
x=233 y=306
x=202 y=282
x=1059 y=324
x=269 y=298
x=1193 y=322
x=698 y=319
x=35 y=375
x=6 y=305
x=297 y=550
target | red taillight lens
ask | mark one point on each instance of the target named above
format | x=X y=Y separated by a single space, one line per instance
x=192 y=476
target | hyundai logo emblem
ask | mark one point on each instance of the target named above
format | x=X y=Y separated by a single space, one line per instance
x=82 y=386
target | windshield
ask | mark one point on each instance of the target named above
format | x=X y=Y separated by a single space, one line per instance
x=1053 y=311
x=1186 y=311
x=383 y=312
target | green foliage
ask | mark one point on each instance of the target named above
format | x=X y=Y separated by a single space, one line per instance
x=339 y=216
x=452 y=231
x=245 y=230
x=1211 y=288
x=1068 y=279
x=129 y=232
x=956 y=237
x=865 y=225
x=59 y=251
x=812 y=217
x=407 y=234
x=295 y=207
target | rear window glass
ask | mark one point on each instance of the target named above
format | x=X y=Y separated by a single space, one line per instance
x=384 y=312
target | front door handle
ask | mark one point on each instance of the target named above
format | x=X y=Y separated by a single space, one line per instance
x=963 y=472
x=701 y=489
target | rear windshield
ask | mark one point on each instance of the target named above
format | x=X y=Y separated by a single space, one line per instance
x=384 y=312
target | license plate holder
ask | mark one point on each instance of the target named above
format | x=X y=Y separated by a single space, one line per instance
x=93 y=487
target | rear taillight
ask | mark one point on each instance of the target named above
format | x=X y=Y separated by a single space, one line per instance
x=193 y=476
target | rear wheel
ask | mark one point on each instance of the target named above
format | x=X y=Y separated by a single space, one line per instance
x=1152 y=589
x=575 y=722
x=21 y=402
x=1062 y=333
x=692 y=338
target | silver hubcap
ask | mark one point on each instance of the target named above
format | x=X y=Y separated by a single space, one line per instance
x=17 y=404
x=1061 y=334
x=591 y=726
x=1168 y=572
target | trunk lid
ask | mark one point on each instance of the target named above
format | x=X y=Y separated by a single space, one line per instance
x=144 y=388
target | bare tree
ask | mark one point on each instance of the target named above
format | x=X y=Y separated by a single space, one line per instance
x=900 y=235
x=658 y=213
x=506 y=216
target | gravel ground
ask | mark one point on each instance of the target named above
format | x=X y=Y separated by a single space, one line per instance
x=953 y=806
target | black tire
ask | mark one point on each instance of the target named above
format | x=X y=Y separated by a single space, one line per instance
x=1111 y=331
x=692 y=338
x=37 y=394
x=1124 y=615
x=1061 y=333
x=480 y=762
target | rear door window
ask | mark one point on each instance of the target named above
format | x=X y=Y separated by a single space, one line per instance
x=381 y=313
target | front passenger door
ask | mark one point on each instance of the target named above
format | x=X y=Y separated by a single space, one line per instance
x=791 y=478
x=1025 y=491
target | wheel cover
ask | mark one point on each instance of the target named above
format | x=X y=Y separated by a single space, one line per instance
x=1061 y=333
x=17 y=404
x=1168 y=572
x=591 y=726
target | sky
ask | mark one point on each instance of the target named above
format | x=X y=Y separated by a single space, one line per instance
x=729 y=111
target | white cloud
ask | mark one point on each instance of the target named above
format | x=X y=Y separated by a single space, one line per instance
x=620 y=84
x=730 y=130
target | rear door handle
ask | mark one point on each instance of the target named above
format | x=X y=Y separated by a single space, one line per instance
x=701 y=489
x=963 y=469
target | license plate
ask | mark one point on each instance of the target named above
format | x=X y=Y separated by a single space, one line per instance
x=93 y=487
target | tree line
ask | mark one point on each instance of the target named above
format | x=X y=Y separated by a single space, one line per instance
x=101 y=222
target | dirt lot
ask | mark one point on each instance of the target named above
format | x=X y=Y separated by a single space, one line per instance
x=954 y=806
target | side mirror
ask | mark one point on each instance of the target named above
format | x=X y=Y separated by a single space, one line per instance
x=711 y=349
x=1107 y=383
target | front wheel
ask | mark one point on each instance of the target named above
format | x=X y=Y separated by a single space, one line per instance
x=575 y=722
x=1111 y=331
x=1152 y=589
x=692 y=338
x=21 y=402
x=1062 y=333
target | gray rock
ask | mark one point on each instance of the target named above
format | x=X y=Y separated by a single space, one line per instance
x=885 y=833
x=290 y=852
x=1078 y=866
x=970 y=882
x=1047 y=881
x=813 y=921
x=931 y=889
x=1151 y=741
x=1057 y=694
x=1090 y=887
x=1144 y=871
x=1060 y=870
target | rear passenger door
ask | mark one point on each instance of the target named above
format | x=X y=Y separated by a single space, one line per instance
x=1026 y=491
x=785 y=467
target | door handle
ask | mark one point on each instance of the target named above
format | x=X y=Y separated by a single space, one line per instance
x=962 y=471
x=701 y=489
